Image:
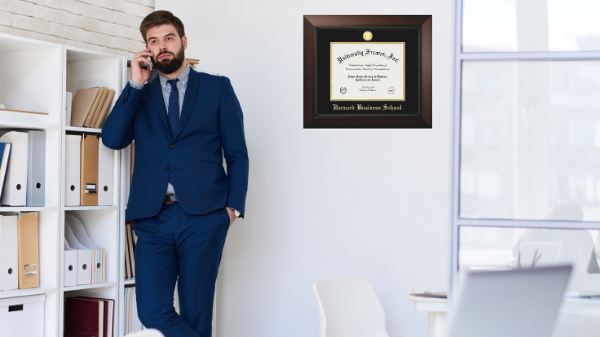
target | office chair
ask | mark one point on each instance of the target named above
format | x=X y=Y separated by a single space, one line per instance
x=348 y=308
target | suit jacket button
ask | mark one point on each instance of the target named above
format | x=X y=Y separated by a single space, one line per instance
x=171 y=146
x=168 y=167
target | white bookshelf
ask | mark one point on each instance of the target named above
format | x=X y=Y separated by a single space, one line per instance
x=35 y=76
x=84 y=69
x=31 y=80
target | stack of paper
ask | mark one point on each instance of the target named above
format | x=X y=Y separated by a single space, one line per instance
x=89 y=106
x=130 y=241
x=131 y=319
x=89 y=316
x=90 y=257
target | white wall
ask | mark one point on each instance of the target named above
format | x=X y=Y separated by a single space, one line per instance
x=323 y=203
x=111 y=26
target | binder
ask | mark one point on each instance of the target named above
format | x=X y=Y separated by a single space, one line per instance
x=72 y=169
x=68 y=107
x=84 y=257
x=89 y=170
x=98 y=102
x=28 y=247
x=82 y=104
x=70 y=265
x=14 y=192
x=109 y=312
x=36 y=187
x=99 y=118
x=84 y=316
x=128 y=273
x=130 y=249
x=9 y=262
x=4 y=155
x=97 y=266
x=105 y=174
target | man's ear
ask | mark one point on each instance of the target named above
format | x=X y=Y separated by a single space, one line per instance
x=184 y=40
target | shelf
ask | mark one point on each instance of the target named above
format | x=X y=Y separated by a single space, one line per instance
x=26 y=209
x=129 y=281
x=90 y=286
x=89 y=208
x=80 y=129
x=26 y=292
x=24 y=125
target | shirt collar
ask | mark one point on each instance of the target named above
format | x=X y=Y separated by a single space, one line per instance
x=183 y=77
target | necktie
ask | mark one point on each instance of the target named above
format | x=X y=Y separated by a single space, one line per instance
x=173 y=111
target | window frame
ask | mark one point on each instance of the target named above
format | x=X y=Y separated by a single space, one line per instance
x=456 y=222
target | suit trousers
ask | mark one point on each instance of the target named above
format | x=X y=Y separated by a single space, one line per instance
x=174 y=243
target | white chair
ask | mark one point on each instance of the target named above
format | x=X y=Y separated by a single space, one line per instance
x=349 y=308
x=146 y=333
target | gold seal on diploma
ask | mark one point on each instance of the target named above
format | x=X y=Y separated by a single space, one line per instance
x=367 y=35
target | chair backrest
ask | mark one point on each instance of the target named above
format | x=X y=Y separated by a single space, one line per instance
x=348 y=308
x=146 y=333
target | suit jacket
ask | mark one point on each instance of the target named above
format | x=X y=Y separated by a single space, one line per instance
x=211 y=125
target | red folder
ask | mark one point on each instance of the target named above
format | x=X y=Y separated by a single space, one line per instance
x=84 y=316
x=109 y=321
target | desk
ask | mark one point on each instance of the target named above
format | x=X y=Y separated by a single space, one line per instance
x=438 y=313
x=578 y=317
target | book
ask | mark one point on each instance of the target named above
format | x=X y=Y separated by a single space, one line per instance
x=82 y=104
x=84 y=316
x=99 y=117
x=98 y=103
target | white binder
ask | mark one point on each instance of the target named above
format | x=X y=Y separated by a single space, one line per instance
x=84 y=257
x=105 y=174
x=68 y=108
x=36 y=186
x=15 y=185
x=70 y=265
x=72 y=169
x=10 y=255
x=98 y=267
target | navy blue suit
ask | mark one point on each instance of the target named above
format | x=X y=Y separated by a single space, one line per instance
x=183 y=240
x=211 y=122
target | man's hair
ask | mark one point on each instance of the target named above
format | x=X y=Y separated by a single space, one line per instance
x=159 y=18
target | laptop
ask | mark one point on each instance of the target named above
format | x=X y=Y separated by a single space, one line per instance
x=514 y=303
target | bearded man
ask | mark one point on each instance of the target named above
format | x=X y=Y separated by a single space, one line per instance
x=181 y=200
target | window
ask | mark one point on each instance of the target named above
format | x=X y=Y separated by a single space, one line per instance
x=526 y=145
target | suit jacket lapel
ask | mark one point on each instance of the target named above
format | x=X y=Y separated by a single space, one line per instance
x=159 y=101
x=191 y=92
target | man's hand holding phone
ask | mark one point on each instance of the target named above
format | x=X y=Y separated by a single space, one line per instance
x=138 y=74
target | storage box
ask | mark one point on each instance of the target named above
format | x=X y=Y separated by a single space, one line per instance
x=22 y=316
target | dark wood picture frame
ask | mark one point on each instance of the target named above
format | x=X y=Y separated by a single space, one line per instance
x=419 y=118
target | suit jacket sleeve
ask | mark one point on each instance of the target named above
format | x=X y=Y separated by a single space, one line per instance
x=231 y=127
x=117 y=130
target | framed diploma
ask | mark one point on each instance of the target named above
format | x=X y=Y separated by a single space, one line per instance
x=367 y=71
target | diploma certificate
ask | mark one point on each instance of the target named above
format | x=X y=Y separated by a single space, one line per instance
x=367 y=71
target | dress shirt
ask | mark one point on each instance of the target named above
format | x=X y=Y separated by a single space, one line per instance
x=166 y=91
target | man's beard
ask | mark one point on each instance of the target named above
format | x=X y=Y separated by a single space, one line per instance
x=169 y=66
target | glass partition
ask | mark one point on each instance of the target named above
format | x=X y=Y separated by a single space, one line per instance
x=530 y=25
